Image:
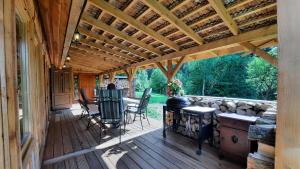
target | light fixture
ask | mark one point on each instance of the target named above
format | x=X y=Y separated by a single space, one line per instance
x=64 y=66
x=76 y=36
x=68 y=58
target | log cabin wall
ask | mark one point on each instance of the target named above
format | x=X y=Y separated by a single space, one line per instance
x=14 y=152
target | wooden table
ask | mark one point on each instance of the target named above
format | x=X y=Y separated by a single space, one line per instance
x=205 y=131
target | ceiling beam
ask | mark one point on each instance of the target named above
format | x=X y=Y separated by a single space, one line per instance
x=75 y=11
x=261 y=33
x=133 y=22
x=103 y=26
x=169 y=16
x=112 y=42
x=233 y=27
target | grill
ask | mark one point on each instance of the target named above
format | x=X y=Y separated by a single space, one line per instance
x=175 y=104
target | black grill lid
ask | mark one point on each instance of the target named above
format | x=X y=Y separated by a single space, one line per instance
x=177 y=102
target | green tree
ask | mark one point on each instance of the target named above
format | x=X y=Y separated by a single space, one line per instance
x=158 y=82
x=263 y=77
x=142 y=81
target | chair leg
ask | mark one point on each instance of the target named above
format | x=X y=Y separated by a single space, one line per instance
x=89 y=124
x=120 y=133
x=141 y=122
x=124 y=126
x=134 y=116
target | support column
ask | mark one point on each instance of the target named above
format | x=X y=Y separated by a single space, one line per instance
x=170 y=72
x=130 y=74
x=101 y=79
x=288 y=121
x=112 y=77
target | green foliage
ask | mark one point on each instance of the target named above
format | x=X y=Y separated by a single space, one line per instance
x=142 y=81
x=155 y=98
x=263 y=77
x=158 y=82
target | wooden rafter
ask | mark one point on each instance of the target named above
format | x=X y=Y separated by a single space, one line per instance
x=231 y=24
x=168 y=15
x=122 y=35
x=131 y=21
x=112 y=42
x=97 y=52
x=103 y=48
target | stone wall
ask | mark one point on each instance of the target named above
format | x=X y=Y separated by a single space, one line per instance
x=120 y=83
x=230 y=105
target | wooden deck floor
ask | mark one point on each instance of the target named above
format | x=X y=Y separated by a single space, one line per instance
x=71 y=146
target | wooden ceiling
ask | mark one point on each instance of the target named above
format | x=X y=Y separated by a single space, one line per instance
x=118 y=34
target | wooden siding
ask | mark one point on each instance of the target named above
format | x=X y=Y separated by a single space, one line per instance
x=13 y=155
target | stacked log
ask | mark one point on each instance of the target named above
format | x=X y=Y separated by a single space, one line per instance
x=264 y=132
x=230 y=105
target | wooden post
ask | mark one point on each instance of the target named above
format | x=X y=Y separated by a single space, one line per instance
x=170 y=72
x=130 y=74
x=112 y=77
x=101 y=79
x=10 y=146
x=288 y=121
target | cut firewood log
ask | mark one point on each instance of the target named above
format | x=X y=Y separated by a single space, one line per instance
x=257 y=161
x=262 y=133
x=266 y=150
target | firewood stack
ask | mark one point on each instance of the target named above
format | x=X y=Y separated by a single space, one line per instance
x=264 y=132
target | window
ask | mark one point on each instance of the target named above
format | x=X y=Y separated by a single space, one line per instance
x=22 y=80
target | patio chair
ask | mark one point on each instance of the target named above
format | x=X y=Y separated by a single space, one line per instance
x=111 y=108
x=140 y=109
x=85 y=99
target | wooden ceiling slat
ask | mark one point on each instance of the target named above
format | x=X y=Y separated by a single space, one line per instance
x=131 y=21
x=112 y=30
x=106 y=49
x=233 y=27
x=112 y=42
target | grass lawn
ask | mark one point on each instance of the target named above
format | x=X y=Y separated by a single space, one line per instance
x=155 y=98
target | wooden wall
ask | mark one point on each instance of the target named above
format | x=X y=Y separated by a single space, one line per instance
x=288 y=119
x=13 y=155
x=88 y=82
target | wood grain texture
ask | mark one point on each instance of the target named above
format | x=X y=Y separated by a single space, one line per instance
x=287 y=154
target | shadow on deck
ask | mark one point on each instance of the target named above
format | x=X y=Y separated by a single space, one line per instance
x=70 y=145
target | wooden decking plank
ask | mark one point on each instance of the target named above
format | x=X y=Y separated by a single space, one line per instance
x=93 y=161
x=72 y=133
x=152 y=161
x=82 y=140
x=82 y=162
x=105 y=162
x=115 y=157
x=50 y=141
x=71 y=163
x=178 y=158
x=178 y=154
x=58 y=149
x=67 y=145
x=155 y=155
x=139 y=160
x=59 y=165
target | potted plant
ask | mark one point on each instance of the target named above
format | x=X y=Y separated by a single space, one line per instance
x=175 y=88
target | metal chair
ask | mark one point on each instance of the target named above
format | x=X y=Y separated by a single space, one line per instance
x=111 y=108
x=85 y=99
x=140 y=109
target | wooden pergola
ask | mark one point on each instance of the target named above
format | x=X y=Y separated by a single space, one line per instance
x=126 y=35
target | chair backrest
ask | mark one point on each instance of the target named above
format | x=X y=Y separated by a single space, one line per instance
x=142 y=107
x=146 y=92
x=110 y=105
x=83 y=105
x=111 y=86
x=85 y=99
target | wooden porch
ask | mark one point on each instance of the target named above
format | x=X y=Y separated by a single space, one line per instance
x=70 y=145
